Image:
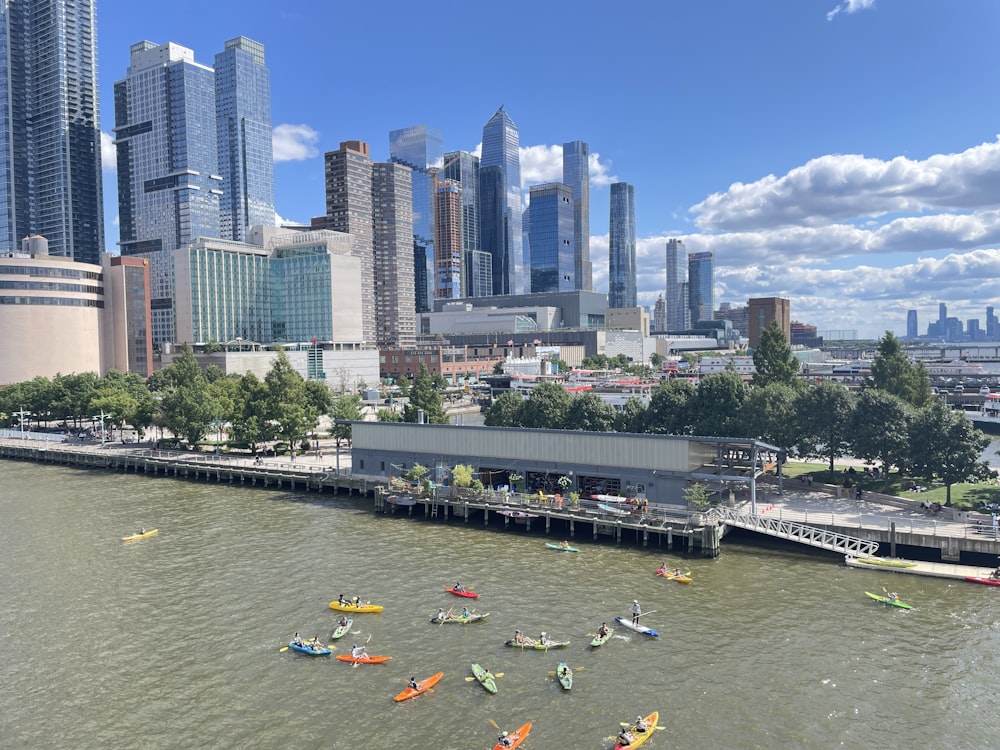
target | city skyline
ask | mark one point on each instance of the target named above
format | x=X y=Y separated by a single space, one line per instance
x=811 y=174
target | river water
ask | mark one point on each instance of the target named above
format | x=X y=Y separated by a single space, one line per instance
x=173 y=641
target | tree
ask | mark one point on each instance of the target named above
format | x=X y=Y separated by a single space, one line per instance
x=631 y=417
x=824 y=415
x=425 y=396
x=717 y=406
x=290 y=407
x=547 y=408
x=589 y=413
x=773 y=358
x=505 y=411
x=404 y=385
x=388 y=415
x=186 y=407
x=944 y=444
x=669 y=410
x=893 y=372
x=697 y=496
x=462 y=475
x=770 y=415
x=249 y=422
x=345 y=408
x=880 y=428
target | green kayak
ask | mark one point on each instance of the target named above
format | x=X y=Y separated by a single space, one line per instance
x=561 y=547
x=565 y=675
x=485 y=678
x=600 y=640
x=887 y=600
x=342 y=630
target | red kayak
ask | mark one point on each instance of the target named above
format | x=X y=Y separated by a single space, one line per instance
x=463 y=592
x=986 y=581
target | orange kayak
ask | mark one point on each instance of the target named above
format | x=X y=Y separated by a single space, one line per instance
x=516 y=738
x=422 y=686
x=363 y=659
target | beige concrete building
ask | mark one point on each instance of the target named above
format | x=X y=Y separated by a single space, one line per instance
x=627 y=319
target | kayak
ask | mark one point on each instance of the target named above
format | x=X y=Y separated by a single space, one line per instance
x=342 y=630
x=561 y=548
x=304 y=649
x=639 y=738
x=133 y=537
x=485 y=678
x=350 y=607
x=515 y=738
x=626 y=622
x=463 y=592
x=600 y=640
x=460 y=619
x=887 y=600
x=565 y=675
x=682 y=578
x=363 y=659
x=986 y=581
x=422 y=686
x=887 y=562
x=537 y=645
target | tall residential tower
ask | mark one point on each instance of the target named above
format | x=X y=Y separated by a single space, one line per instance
x=576 y=174
x=621 y=253
x=50 y=142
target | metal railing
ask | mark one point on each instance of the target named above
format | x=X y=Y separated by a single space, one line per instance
x=814 y=536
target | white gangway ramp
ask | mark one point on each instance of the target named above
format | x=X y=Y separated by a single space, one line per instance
x=795 y=532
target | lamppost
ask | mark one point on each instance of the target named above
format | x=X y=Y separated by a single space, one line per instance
x=102 y=418
x=22 y=414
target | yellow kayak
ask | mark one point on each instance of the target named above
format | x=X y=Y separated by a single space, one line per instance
x=133 y=537
x=351 y=607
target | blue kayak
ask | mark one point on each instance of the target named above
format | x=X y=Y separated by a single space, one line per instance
x=309 y=649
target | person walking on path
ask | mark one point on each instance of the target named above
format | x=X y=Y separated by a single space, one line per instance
x=636 y=611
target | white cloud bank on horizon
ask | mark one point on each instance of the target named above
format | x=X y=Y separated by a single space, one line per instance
x=850 y=6
x=294 y=143
x=542 y=163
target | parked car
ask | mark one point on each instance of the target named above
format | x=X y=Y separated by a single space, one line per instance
x=984 y=391
x=959 y=389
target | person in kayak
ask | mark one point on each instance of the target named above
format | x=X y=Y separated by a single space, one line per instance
x=563 y=671
x=359 y=652
x=519 y=638
x=413 y=683
x=357 y=601
x=342 y=621
x=565 y=544
x=315 y=644
x=636 y=611
x=341 y=600
x=893 y=596
x=544 y=640
x=142 y=529
x=603 y=630
x=504 y=739
x=677 y=572
x=624 y=737
x=466 y=614
x=458 y=588
x=297 y=640
x=640 y=724
x=442 y=615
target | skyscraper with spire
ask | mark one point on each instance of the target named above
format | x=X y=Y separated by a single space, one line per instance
x=621 y=250
x=50 y=143
x=500 y=205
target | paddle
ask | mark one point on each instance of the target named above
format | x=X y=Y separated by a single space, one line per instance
x=495 y=725
x=575 y=669
x=647 y=613
x=626 y=724
x=470 y=679
x=283 y=649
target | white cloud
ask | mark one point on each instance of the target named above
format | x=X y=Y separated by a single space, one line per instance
x=850 y=6
x=600 y=172
x=109 y=155
x=836 y=187
x=294 y=143
x=540 y=164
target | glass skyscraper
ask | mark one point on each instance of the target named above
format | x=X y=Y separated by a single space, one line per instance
x=50 y=138
x=576 y=174
x=246 y=150
x=701 y=286
x=552 y=256
x=677 y=286
x=500 y=203
x=421 y=148
x=621 y=253
x=462 y=168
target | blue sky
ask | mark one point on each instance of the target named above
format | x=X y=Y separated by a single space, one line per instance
x=841 y=153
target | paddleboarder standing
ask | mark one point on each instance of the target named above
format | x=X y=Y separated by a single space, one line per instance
x=636 y=611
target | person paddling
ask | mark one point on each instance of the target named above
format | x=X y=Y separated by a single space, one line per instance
x=636 y=611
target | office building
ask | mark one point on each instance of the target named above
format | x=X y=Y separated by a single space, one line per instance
x=576 y=174
x=911 y=324
x=126 y=336
x=246 y=149
x=448 y=253
x=462 y=168
x=50 y=142
x=392 y=214
x=659 y=315
x=701 y=286
x=739 y=317
x=991 y=325
x=500 y=203
x=421 y=148
x=621 y=241
x=765 y=310
x=551 y=248
x=169 y=186
x=678 y=311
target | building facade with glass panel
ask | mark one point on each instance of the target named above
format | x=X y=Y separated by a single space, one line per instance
x=678 y=318
x=50 y=138
x=621 y=247
x=449 y=280
x=701 y=286
x=421 y=148
x=462 y=168
x=576 y=174
x=500 y=205
x=551 y=233
x=246 y=148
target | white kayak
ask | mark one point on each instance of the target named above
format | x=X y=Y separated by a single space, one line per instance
x=626 y=622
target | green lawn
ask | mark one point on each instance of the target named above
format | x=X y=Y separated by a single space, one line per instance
x=964 y=496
